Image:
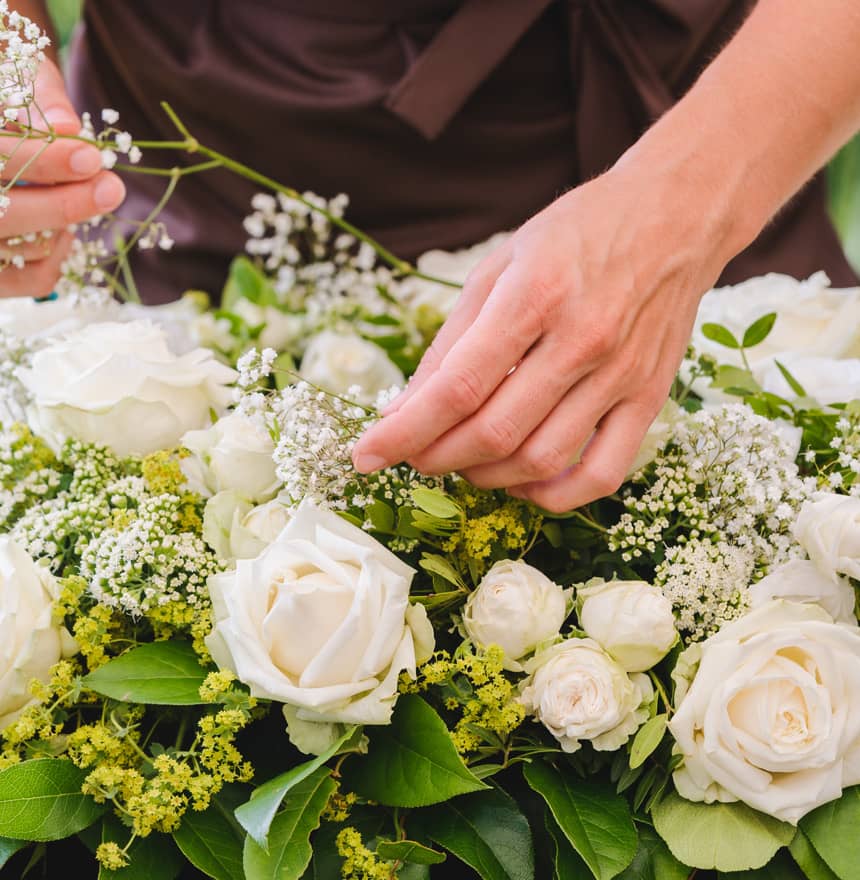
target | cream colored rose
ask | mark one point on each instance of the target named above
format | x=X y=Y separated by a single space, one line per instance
x=828 y=380
x=320 y=620
x=828 y=528
x=578 y=692
x=800 y=580
x=235 y=529
x=767 y=711
x=339 y=361
x=631 y=620
x=119 y=385
x=30 y=642
x=31 y=319
x=515 y=607
x=234 y=454
x=657 y=435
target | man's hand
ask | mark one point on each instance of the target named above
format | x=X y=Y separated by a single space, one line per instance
x=66 y=185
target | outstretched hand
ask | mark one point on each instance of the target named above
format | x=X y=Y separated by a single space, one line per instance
x=561 y=349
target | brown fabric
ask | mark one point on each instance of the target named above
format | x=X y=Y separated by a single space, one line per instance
x=444 y=121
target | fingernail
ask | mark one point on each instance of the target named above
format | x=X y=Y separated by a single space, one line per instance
x=366 y=464
x=86 y=160
x=109 y=192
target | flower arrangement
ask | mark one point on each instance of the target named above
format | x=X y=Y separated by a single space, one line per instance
x=225 y=653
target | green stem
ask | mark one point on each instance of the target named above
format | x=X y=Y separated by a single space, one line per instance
x=658 y=686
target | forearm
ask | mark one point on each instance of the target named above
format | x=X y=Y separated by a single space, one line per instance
x=768 y=112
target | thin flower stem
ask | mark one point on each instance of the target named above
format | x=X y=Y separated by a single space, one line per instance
x=658 y=685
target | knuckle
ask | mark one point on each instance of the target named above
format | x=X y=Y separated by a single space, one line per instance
x=596 y=343
x=603 y=479
x=465 y=391
x=544 y=463
x=498 y=437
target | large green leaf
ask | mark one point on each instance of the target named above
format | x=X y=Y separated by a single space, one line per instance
x=728 y=837
x=42 y=800
x=289 y=851
x=653 y=861
x=213 y=840
x=803 y=852
x=834 y=831
x=592 y=816
x=647 y=738
x=412 y=762
x=485 y=830
x=8 y=848
x=408 y=851
x=779 y=868
x=159 y=674
x=257 y=814
x=566 y=862
x=152 y=856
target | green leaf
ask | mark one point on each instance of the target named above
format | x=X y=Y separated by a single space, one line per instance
x=41 y=800
x=152 y=856
x=721 y=335
x=9 y=847
x=759 y=330
x=805 y=855
x=435 y=564
x=795 y=386
x=592 y=816
x=653 y=861
x=412 y=762
x=289 y=851
x=213 y=840
x=780 y=868
x=833 y=831
x=409 y=851
x=436 y=503
x=728 y=837
x=257 y=814
x=566 y=862
x=647 y=738
x=158 y=674
x=284 y=370
x=737 y=378
x=381 y=516
x=246 y=281
x=486 y=830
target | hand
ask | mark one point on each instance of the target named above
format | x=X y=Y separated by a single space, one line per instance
x=562 y=347
x=69 y=186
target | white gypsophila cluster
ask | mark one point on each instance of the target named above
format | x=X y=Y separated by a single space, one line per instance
x=22 y=50
x=845 y=476
x=112 y=141
x=727 y=479
x=15 y=353
x=26 y=476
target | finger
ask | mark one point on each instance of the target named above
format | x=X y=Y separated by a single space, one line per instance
x=30 y=248
x=52 y=108
x=604 y=463
x=37 y=161
x=36 y=279
x=475 y=292
x=467 y=375
x=33 y=208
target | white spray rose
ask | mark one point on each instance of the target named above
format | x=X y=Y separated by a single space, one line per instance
x=320 y=620
x=828 y=528
x=802 y=581
x=828 y=380
x=119 y=385
x=657 y=436
x=339 y=361
x=578 y=692
x=515 y=607
x=767 y=711
x=235 y=529
x=631 y=620
x=233 y=454
x=30 y=642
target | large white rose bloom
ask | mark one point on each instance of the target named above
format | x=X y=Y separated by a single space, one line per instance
x=320 y=620
x=578 y=692
x=32 y=319
x=828 y=380
x=828 y=528
x=767 y=711
x=338 y=361
x=801 y=580
x=631 y=620
x=30 y=642
x=515 y=607
x=234 y=454
x=119 y=385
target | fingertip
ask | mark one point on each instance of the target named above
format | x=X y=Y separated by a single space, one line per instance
x=109 y=192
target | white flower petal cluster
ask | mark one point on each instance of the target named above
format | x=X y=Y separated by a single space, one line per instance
x=828 y=528
x=579 y=693
x=800 y=580
x=30 y=642
x=320 y=620
x=236 y=529
x=767 y=711
x=516 y=607
x=119 y=385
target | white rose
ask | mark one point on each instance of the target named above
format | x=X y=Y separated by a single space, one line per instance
x=828 y=528
x=30 y=642
x=657 y=436
x=319 y=620
x=767 y=711
x=32 y=319
x=235 y=529
x=281 y=330
x=578 y=692
x=828 y=380
x=631 y=620
x=802 y=581
x=178 y=319
x=119 y=385
x=515 y=607
x=233 y=454
x=338 y=361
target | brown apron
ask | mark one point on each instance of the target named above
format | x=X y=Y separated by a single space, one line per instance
x=444 y=121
